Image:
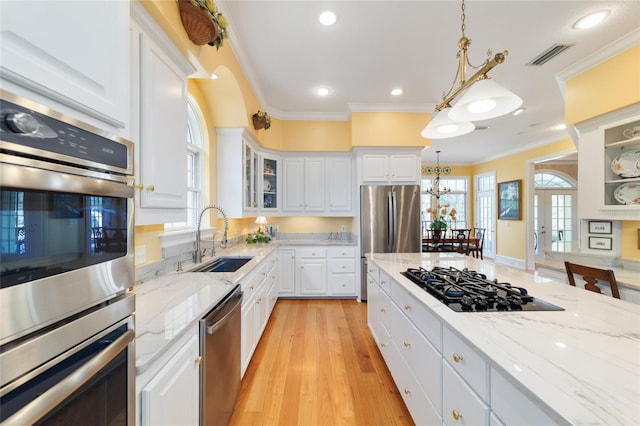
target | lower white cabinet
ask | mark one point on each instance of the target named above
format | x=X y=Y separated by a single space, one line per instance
x=171 y=396
x=317 y=271
x=460 y=404
x=311 y=265
x=259 y=298
x=440 y=376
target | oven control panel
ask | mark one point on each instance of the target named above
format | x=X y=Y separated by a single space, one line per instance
x=28 y=131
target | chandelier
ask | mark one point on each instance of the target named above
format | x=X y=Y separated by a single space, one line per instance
x=436 y=190
x=481 y=101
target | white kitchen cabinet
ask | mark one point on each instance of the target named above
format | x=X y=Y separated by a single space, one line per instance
x=74 y=53
x=159 y=104
x=383 y=168
x=460 y=404
x=342 y=271
x=171 y=397
x=287 y=265
x=304 y=184
x=248 y=178
x=339 y=185
x=257 y=304
x=601 y=141
x=311 y=265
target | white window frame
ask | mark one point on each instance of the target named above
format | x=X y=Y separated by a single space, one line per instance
x=428 y=200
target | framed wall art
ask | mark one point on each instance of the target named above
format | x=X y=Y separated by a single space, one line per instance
x=600 y=243
x=510 y=200
x=599 y=227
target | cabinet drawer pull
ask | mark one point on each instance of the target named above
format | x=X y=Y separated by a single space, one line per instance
x=407 y=344
x=456 y=414
x=407 y=391
x=407 y=307
x=456 y=357
x=198 y=361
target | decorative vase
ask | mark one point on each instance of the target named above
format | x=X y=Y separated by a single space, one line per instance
x=197 y=23
x=437 y=235
x=258 y=123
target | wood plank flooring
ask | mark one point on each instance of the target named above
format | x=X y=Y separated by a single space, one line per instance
x=317 y=364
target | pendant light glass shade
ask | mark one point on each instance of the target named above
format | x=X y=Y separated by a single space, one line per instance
x=485 y=99
x=441 y=126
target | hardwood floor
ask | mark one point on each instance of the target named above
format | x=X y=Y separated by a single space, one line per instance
x=317 y=364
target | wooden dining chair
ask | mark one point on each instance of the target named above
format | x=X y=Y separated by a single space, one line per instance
x=475 y=248
x=591 y=275
x=458 y=241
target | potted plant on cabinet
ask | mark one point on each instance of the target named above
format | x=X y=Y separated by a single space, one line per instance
x=203 y=22
x=261 y=120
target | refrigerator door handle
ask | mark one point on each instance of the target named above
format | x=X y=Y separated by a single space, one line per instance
x=393 y=214
x=391 y=225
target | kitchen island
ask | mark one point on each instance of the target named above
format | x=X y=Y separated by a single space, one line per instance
x=576 y=366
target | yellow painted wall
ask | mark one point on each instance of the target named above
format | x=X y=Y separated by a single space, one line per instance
x=631 y=239
x=309 y=135
x=609 y=86
x=388 y=128
x=511 y=234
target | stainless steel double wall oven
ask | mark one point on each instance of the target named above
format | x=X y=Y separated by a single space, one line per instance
x=66 y=245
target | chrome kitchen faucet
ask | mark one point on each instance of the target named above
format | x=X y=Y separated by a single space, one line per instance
x=223 y=243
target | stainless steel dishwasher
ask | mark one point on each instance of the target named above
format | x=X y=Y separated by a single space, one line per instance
x=220 y=350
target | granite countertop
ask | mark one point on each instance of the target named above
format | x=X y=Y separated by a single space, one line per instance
x=167 y=307
x=583 y=363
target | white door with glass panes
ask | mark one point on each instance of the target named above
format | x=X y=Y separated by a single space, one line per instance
x=485 y=210
x=555 y=210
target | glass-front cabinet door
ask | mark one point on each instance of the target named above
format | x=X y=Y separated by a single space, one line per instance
x=270 y=182
x=250 y=178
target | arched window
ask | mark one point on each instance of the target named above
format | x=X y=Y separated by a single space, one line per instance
x=194 y=147
x=552 y=179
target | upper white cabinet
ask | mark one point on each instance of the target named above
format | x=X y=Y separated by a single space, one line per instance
x=304 y=185
x=339 y=185
x=609 y=166
x=248 y=179
x=159 y=105
x=75 y=53
x=382 y=167
x=318 y=185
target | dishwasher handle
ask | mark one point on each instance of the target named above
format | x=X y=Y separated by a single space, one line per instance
x=229 y=308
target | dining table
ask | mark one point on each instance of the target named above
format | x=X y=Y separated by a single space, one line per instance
x=449 y=244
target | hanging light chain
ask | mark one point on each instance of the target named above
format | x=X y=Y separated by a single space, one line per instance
x=463 y=16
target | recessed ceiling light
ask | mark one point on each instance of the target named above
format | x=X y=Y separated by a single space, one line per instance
x=396 y=92
x=214 y=76
x=518 y=111
x=322 y=91
x=591 y=20
x=327 y=18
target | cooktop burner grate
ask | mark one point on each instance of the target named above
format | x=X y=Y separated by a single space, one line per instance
x=470 y=291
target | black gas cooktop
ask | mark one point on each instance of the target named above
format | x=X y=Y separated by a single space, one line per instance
x=470 y=291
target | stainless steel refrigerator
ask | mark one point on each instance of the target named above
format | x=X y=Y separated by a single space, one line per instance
x=389 y=222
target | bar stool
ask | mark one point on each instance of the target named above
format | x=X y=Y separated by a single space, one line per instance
x=591 y=276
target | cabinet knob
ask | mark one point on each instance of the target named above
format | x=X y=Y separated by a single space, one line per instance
x=258 y=301
x=407 y=344
x=383 y=282
x=407 y=391
x=198 y=361
x=456 y=357
x=383 y=345
x=151 y=188
x=344 y=267
x=407 y=307
x=456 y=414
x=139 y=186
x=383 y=310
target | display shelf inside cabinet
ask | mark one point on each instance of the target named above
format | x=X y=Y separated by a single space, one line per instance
x=617 y=144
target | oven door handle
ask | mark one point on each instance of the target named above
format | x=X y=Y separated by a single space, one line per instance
x=39 y=407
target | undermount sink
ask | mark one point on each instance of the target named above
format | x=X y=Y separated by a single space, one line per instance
x=226 y=264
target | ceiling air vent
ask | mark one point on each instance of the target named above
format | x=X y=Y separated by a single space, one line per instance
x=549 y=54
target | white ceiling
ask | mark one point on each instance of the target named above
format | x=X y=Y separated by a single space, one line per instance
x=376 y=46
